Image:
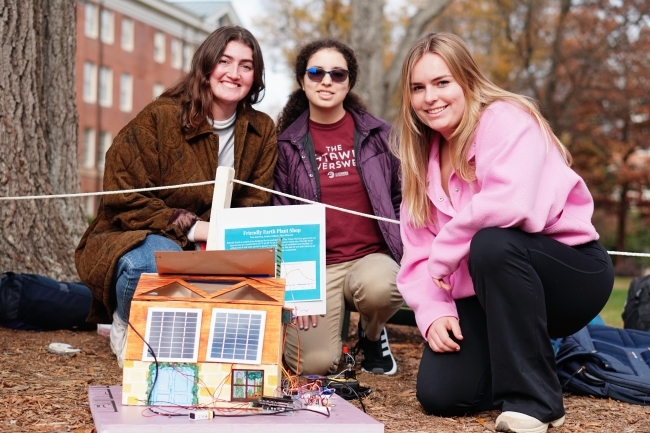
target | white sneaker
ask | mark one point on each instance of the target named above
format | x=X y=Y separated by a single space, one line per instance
x=521 y=423
x=118 y=338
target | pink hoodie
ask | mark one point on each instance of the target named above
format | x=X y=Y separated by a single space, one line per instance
x=521 y=182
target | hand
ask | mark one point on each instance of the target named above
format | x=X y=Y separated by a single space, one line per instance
x=438 y=335
x=441 y=284
x=306 y=322
x=201 y=231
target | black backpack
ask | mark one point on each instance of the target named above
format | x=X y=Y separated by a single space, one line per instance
x=36 y=302
x=636 y=311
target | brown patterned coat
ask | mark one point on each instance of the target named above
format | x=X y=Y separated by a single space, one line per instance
x=153 y=151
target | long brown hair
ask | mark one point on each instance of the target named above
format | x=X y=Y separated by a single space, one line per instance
x=298 y=103
x=193 y=89
x=411 y=139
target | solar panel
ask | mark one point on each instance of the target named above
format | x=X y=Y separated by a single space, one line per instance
x=236 y=336
x=173 y=334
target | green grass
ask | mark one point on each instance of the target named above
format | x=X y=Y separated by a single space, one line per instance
x=611 y=313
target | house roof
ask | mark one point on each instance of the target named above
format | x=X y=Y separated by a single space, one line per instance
x=202 y=8
x=210 y=289
x=221 y=12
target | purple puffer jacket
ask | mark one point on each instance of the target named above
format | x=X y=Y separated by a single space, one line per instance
x=296 y=173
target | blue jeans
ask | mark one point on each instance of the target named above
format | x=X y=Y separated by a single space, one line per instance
x=139 y=260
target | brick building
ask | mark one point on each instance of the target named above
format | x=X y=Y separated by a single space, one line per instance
x=128 y=52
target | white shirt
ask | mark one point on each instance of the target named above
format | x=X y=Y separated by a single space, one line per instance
x=225 y=129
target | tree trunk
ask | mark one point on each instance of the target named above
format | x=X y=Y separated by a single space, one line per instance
x=367 y=40
x=38 y=137
x=416 y=27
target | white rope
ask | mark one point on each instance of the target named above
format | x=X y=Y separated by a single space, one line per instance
x=90 y=194
x=209 y=182
x=619 y=253
x=375 y=217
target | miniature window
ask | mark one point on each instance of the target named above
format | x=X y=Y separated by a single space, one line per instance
x=247 y=385
x=236 y=336
x=173 y=334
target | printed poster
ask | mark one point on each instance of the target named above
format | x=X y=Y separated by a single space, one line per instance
x=298 y=235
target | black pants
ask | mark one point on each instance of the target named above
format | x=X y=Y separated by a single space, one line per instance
x=528 y=288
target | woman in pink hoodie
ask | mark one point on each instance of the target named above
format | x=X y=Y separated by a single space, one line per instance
x=499 y=250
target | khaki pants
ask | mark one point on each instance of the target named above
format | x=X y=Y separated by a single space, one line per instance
x=366 y=285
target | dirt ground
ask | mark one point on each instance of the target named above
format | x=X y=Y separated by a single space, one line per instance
x=44 y=392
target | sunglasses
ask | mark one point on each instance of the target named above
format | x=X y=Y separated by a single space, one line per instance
x=337 y=75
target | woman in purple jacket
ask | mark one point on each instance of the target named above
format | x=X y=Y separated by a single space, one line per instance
x=498 y=241
x=332 y=151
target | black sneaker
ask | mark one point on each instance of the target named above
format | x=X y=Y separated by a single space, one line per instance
x=377 y=357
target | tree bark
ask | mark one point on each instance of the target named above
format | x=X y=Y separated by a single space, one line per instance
x=367 y=40
x=417 y=25
x=38 y=136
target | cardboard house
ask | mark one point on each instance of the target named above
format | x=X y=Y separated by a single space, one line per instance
x=210 y=340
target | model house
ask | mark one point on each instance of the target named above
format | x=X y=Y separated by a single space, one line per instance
x=210 y=340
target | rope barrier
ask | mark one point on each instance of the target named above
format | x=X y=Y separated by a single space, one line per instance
x=241 y=182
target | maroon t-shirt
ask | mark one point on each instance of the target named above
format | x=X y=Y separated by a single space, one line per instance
x=348 y=236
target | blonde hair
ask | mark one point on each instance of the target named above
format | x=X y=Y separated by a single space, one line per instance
x=411 y=139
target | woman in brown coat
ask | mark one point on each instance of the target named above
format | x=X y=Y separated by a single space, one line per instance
x=204 y=121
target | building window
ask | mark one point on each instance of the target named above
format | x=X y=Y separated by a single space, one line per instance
x=159 y=47
x=128 y=32
x=107 y=27
x=177 y=54
x=104 y=143
x=126 y=92
x=88 y=151
x=188 y=53
x=105 y=86
x=90 y=83
x=247 y=385
x=157 y=90
x=90 y=205
x=91 y=22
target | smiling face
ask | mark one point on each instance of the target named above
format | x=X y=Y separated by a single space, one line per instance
x=231 y=79
x=326 y=97
x=436 y=97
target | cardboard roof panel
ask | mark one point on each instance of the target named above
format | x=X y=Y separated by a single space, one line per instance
x=259 y=262
x=176 y=288
x=245 y=293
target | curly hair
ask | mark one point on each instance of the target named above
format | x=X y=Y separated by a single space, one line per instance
x=193 y=88
x=298 y=103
